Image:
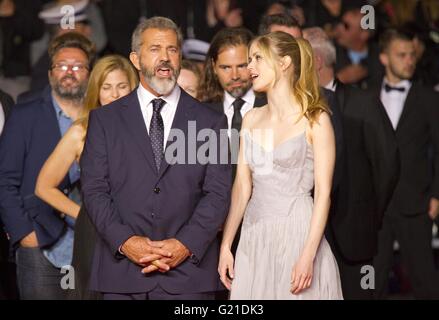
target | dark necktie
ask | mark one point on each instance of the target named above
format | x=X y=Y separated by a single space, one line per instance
x=388 y=88
x=157 y=131
x=237 y=117
x=236 y=124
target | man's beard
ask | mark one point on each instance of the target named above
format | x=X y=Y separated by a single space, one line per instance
x=402 y=74
x=69 y=93
x=239 y=92
x=162 y=86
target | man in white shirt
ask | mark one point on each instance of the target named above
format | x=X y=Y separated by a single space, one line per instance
x=157 y=219
x=413 y=113
x=227 y=84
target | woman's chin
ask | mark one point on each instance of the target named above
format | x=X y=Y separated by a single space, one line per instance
x=259 y=88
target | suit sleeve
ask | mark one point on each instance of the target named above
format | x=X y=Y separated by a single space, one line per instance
x=211 y=211
x=12 y=160
x=96 y=188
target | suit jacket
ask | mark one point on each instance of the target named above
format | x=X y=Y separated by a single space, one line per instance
x=125 y=196
x=369 y=169
x=336 y=120
x=29 y=137
x=7 y=103
x=417 y=136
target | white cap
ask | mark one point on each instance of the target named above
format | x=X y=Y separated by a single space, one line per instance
x=195 y=49
x=54 y=12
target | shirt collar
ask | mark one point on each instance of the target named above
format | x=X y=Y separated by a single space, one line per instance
x=171 y=99
x=249 y=97
x=58 y=110
x=331 y=85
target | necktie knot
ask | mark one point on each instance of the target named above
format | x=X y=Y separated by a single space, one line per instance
x=157 y=105
x=389 y=88
x=237 y=104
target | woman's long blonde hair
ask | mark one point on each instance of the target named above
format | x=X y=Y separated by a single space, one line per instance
x=304 y=79
x=98 y=75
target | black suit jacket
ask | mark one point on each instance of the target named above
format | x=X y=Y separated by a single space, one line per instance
x=417 y=136
x=369 y=168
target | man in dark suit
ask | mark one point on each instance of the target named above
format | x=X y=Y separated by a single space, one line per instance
x=365 y=172
x=413 y=113
x=6 y=103
x=226 y=86
x=357 y=54
x=157 y=219
x=7 y=285
x=37 y=232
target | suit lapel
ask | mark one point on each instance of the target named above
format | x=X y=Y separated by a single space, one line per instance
x=409 y=106
x=340 y=94
x=135 y=124
x=51 y=125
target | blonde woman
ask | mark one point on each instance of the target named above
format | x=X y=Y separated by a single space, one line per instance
x=112 y=78
x=287 y=149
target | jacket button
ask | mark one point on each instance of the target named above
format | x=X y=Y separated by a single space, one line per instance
x=152 y=214
x=66 y=191
x=157 y=190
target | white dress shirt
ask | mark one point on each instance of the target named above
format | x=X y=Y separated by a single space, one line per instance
x=249 y=101
x=331 y=85
x=394 y=100
x=167 y=112
x=2 y=118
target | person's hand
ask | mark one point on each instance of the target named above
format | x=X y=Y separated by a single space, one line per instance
x=178 y=251
x=137 y=248
x=233 y=18
x=225 y=267
x=433 y=210
x=29 y=241
x=301 y=276
x=352 y=73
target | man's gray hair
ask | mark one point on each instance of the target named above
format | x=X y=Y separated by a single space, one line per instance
x=160 y=23
x=321 y=44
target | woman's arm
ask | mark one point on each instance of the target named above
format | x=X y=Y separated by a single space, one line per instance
x=56 y=168
x=323 y=140
x=241 y=192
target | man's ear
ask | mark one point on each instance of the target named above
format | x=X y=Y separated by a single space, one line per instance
x=134 y=58
x=318 y=61
x=285 y=62
x=212 y=62
x=384 y=59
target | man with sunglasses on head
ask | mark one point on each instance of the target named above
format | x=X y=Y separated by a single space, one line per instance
x=40 y=237
x=357 y=54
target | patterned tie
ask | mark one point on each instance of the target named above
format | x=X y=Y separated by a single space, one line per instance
x=156 y=131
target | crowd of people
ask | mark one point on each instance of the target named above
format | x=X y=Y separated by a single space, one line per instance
x=331 y=132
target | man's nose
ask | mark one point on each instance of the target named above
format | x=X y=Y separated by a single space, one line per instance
x=164 y=56
x=235 y=74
